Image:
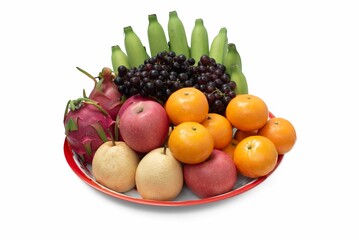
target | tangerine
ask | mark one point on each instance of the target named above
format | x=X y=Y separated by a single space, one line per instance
x=281 y=132
x=240 y=135
x=220 y=129
x=187 y=105
x=255 y=156
x=247 y=112
x=191 y=142
x=229 y=149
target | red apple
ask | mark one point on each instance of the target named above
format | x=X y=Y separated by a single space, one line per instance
x=216 y=175
x=129 y=101
x=144 y=125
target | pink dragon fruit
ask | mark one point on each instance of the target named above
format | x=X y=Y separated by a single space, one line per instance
x=87 y=127
x=105 y=92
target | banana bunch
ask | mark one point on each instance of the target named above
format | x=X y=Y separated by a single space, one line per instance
x=156 y=36
x=136 y=51
x=220 y=49
x=219 y=46
x=233 y=64
x=199 y=40
x=177 y=35
x=118 y=58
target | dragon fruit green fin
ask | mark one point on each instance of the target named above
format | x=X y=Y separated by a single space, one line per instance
x=100 y=131
x=70 y=126
x=88 y=148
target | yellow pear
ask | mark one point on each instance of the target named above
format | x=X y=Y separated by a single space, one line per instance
x=114 y=166
x=159 y=176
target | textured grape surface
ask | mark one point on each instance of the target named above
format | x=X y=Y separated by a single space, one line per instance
x=163 y=74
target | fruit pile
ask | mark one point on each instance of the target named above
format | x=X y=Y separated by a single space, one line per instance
x=180 y=117
x=215 y=70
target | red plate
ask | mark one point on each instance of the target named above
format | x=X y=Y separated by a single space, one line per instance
x=186 y=198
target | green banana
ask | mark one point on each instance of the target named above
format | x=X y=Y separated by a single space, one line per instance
x=177 y=35
x=238 y=77
x=219 y=46
x=156 y=36
x=199 y=40
x=136 y=52
x=232 y=58
x=118 y=58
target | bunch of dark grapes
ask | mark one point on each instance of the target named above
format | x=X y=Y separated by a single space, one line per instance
x=158 y=77
x=167 y=72
x=214 y=82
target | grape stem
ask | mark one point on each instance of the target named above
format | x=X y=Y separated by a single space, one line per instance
x=219 y=91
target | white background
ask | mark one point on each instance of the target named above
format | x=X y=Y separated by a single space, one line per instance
x=301 y=57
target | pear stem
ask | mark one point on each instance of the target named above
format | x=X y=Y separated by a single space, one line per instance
x=164 y=149
x=166 y=141
x=112 y=139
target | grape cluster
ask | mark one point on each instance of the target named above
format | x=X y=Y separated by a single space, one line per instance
x=167 y=72
x=214 y=82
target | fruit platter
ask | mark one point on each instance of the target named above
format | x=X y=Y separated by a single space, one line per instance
x=174 y=125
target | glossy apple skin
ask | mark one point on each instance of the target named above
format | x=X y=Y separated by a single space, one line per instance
x=144 y=125
x=129 y=101
x=216 y=175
